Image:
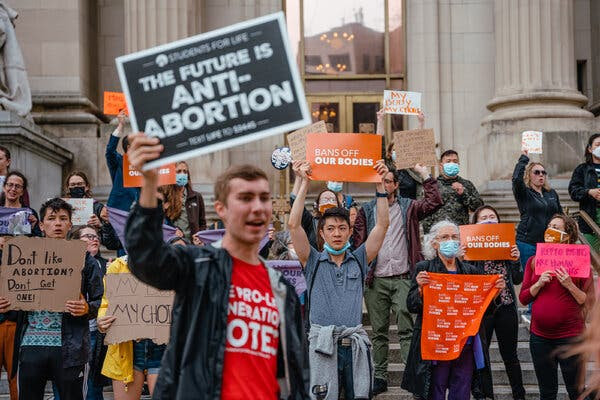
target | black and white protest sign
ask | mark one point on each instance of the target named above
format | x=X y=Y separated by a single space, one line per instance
x=215 y=90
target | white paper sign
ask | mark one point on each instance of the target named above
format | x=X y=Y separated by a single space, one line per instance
x=83 y=209
x=532 y=142
x=398 y=102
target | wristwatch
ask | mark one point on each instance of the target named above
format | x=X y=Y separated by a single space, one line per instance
x=384 y=194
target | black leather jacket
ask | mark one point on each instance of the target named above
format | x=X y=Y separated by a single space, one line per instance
x=192 y=365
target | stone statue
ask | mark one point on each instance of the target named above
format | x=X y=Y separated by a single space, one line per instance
x=15 y=94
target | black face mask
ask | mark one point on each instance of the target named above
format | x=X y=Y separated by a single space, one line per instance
x=77 y=192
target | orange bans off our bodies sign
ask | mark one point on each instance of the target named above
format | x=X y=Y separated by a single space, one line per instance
x=133 y=177
x=343 y=157
x=487 y=241
x=453 y=306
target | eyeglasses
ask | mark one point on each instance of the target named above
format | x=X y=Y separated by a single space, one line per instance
x=90 y=237
x=539 y=172
x=14 y=186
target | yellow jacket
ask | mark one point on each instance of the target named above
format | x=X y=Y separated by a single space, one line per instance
x=118 y=364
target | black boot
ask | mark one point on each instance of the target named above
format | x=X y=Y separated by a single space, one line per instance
x=379 y=386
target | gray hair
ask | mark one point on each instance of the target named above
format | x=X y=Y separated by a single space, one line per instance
x=429 y=252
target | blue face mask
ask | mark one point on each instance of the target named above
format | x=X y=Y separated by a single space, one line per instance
x=394 y=155
x=449 y=248
x=181 y=179
x=335 y=187
x=334 y=252
x=489 y=221
x=451 y=169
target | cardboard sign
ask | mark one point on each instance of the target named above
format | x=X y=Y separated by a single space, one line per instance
x=15 y=221
x=114 y=102
x=399 y=102
x=83 y=209
x=292 y=272
x=343 y=157
x=133 y=177
x=281 y=206
x=41 y=274
x=488 y=241
x=532 y=142
x=297 y=139
x=141 y=311
x=416 y=146
x=575 y=258
x=215 y=90
x=453 y=306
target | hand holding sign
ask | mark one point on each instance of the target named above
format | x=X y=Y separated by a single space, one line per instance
x=563 y=277
x=77 y=308
x=143 y=149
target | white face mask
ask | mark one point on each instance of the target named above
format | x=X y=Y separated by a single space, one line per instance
x=596 y=152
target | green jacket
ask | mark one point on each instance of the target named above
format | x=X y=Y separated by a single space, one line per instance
x=455 y=208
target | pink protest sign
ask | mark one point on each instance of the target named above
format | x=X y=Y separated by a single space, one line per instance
x=575 y=258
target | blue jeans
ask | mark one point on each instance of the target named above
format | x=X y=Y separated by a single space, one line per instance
x=345 y=380
x=147 y=356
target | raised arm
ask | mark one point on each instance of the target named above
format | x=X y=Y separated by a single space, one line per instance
x=113 y=158
x=518 y=182
x=297 y=233
x=377 y=234
x=432 y=200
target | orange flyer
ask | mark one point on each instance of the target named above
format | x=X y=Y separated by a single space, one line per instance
x=453 y=306
x=133 y=178
x=114 y=102
x=343 y=157
x=487 y=241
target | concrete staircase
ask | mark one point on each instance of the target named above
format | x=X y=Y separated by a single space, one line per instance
x=504 y=201
x=502 y=389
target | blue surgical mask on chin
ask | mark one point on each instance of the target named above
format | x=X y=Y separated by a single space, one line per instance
x=449 y=248
x=181 y=179
x=335 y=187
x=334 y=252
x=451 y=169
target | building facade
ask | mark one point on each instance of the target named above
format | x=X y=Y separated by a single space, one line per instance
x=488 y=70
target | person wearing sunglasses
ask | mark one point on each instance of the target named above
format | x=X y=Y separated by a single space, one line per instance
x=13 y=192
x=537 y=203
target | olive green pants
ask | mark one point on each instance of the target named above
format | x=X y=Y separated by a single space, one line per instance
x=388 y=294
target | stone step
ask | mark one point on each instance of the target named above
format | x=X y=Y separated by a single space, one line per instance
x=501 y=392
x=522 y=351
x=499 y=377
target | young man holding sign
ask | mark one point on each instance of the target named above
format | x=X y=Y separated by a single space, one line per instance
x=334 y=279
x=388 y=281
x=236 y=331
x=56 y=345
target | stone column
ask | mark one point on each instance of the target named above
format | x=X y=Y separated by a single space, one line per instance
x=150 y=23
x=594 y=18
x=535 y=61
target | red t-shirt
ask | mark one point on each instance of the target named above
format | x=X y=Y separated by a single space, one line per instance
x=555 y=314
x=250 y=366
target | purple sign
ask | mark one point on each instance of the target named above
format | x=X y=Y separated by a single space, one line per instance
x=118 y=219
x=292 y=272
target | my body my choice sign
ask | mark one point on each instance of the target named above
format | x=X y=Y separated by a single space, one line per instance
x=215 y=90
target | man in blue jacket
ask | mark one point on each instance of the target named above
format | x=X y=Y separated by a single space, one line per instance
x=120 y=197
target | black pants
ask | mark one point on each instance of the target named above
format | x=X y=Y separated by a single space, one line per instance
x=505 y=322
x=545 y=363
x=39 y=364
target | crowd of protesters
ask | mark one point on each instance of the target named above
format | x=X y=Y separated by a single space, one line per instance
x=239 y=329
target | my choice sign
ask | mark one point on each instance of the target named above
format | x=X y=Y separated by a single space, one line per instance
x=216 y=90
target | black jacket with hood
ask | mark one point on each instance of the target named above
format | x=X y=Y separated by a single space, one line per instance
x=583 y=179
x=192 y=366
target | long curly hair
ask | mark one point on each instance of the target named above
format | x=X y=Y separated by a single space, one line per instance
x=527 y=175
x=174 y=200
